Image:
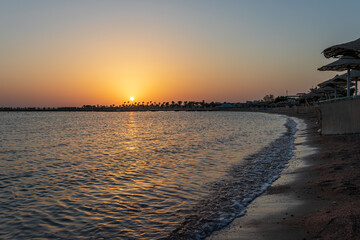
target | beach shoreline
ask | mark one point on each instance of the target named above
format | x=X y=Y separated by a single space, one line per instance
x=314 y=200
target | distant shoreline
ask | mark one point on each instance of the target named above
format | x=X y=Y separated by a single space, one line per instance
x=118 y=110
x=133 y=110
x=164 y=106
x=182 y=109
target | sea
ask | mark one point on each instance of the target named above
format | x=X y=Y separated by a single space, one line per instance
x=135 y=175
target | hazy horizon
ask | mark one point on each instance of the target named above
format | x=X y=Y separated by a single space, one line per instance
x=74 y=53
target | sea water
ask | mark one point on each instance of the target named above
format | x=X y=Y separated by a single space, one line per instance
x=135 y=175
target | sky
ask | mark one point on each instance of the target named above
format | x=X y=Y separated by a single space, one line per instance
x=79 y=52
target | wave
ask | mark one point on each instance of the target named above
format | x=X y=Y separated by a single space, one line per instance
x=230 y=196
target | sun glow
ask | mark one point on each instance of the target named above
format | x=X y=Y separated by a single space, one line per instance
x=132 y=98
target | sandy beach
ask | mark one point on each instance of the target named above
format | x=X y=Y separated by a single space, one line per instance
x=316 y=197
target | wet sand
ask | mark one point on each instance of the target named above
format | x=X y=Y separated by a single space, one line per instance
x=316 y=197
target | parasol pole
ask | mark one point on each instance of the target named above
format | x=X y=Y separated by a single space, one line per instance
x=356 y=87
x=348 y=80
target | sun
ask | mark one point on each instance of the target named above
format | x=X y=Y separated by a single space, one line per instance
x=132 y=98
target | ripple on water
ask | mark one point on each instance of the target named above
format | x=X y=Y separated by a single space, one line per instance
x=125 y=175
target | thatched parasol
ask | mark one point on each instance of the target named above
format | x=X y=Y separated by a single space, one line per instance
x=342 y=64
x=346 y=49
x=338 y=81
x=312 y=95
x=326 y=89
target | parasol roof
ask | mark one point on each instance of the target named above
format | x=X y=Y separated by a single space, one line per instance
x=354 y=75
x=346 y=49
x=342 y=64
x=325 y=89
x=338 y=80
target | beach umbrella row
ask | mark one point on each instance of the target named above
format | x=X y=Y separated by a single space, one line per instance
x=339 y=81
x=318 y=93
x=350 y=59
x=342 y=64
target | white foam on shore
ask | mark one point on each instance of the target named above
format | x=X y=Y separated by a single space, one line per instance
x=253 y=225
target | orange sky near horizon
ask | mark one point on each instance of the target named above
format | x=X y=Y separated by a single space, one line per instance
x=81 y=53
x=74 y=73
